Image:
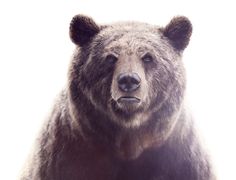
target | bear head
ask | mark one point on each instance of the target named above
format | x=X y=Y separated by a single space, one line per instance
x=131 y=72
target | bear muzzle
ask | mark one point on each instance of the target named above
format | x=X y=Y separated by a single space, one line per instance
x=128 y=83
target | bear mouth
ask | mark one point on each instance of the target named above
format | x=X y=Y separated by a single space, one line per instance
x=128 y=100
x=126 y=107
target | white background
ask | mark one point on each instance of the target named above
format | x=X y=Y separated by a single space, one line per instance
x=35 y=51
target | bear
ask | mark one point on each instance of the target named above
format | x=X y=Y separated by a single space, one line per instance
x=123 y=114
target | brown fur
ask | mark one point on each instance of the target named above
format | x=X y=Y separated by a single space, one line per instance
x=95 y=134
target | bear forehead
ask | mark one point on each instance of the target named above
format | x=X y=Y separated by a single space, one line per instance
x=129 y=36
x=131 y=31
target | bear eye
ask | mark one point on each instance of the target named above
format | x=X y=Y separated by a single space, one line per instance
x=147 y=58
x=111 y=58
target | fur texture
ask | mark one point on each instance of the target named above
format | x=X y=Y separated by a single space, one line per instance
x=100 y=131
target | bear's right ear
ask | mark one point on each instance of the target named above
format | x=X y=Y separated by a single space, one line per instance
x=82 y=29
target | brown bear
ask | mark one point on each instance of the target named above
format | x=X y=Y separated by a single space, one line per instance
x=123 y=114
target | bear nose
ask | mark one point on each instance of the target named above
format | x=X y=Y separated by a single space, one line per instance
x=128 y=82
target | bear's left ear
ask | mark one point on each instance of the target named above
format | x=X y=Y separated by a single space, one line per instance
x=178 y=31
x=82 y=29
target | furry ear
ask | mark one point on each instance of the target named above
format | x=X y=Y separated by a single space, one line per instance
x=82 y=29
x=178 y=31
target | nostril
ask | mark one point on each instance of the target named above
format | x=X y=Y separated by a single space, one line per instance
x=128 y=81
x=122 y=79
x=135 y=79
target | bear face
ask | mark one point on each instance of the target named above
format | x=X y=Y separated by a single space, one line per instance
x=130 y=68
x=132 y=74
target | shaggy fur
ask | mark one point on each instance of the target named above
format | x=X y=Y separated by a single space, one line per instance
x=97 y=131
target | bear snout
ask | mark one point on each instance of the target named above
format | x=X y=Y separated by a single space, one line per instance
x=128 y=82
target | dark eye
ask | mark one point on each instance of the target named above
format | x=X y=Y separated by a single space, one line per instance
x=111 y=59
x=147 y=58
